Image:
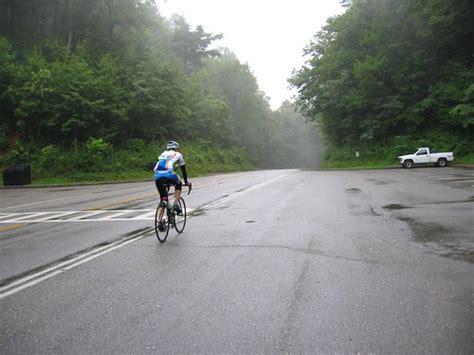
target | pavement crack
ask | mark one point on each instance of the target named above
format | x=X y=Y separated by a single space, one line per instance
x=299 y=250
x=290 y=324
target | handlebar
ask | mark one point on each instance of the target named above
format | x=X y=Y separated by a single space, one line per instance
x=190 y=187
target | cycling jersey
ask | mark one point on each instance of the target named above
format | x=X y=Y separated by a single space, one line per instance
x=167 y=165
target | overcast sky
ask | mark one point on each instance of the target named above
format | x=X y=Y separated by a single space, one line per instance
x=269 y=35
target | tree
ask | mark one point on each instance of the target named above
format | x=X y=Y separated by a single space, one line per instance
x=381 y=70
x=192 y=46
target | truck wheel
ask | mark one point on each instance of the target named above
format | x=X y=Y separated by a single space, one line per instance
x=442 y=162
x=408 y=164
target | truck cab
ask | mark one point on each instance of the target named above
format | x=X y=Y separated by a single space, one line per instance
x=422 y=156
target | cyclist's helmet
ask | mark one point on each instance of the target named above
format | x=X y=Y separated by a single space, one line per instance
x=172 y=145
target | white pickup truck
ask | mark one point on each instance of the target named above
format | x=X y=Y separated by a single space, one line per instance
x=424 y=156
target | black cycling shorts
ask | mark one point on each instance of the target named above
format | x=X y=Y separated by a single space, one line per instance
x=163 y=184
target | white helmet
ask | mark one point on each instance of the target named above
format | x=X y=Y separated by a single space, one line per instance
x=172 y=145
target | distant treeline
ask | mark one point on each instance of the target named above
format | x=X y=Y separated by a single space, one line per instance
x=393 y=73
x=117 y=70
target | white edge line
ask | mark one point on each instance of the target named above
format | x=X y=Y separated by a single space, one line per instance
x=67 y=265
x=133 y=239
x=29 y=284
x=45 y=271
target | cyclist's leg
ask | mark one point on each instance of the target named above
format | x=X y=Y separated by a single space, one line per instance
x=177 y=193
x=162 y=189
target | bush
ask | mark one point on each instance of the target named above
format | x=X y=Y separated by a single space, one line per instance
x=49 y=157
x=135 y=145
x=98 y=148
x=94 y=156
x=20 y=154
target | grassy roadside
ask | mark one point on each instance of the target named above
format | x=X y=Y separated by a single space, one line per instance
x=52 y=167
x=200 y=164
x=357 y=164
x=117 y=177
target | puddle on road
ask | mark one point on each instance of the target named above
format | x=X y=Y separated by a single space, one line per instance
x=353 y=190
x=378 y=182
x=427 y=232
x=439 y=239
x=395 y=206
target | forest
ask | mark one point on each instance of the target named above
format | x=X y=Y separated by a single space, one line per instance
x=390 y=75
x=94 y=86
x=93 y=89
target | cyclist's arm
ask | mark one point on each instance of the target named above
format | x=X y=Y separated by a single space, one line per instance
x=185 y=174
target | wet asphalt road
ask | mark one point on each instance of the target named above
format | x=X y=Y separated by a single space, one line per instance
x=271 y=261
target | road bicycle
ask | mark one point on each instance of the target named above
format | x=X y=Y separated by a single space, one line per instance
x=171 y=218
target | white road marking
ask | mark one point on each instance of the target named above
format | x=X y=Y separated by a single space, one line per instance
x=60 y=268
x=6 y=215
x=117 y=214
x=37 y=203
x=468 y=181
x=35 y=278
x=237 y=194
x=55 y=215
x=80 y=216
x=86 y=215
x=151 y=215
x=30 y=215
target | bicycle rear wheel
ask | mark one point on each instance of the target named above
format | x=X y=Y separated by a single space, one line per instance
x=164 y=234
x=180 y=221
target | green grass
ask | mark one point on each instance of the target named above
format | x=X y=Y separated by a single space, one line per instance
x=467 y=159
x=359 y=164
x=91 y=178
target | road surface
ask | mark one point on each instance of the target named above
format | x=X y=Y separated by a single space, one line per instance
x=273 y=261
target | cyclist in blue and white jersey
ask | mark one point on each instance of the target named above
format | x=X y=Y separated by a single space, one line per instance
x=166 y=175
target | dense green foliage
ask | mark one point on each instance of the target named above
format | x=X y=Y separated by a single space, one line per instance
x=79 y=72
x=97 y=160
x=390 y=75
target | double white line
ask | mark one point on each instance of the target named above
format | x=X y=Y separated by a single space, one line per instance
x=64 y=266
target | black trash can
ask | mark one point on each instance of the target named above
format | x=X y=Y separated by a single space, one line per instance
x=17 y=175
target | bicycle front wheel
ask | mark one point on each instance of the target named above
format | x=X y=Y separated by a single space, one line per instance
x=180 y=221
x=161 y=235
